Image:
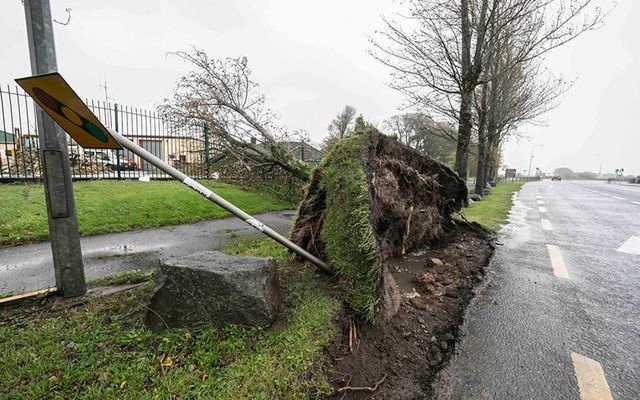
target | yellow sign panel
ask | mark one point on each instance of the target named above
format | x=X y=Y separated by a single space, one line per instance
x=57 y=99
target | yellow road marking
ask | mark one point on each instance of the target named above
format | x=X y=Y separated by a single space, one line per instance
x=557 y=263
x=591 y=380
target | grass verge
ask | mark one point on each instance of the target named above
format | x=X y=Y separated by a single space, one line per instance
x=493 y=210
x=118 y=206
x=102 y=349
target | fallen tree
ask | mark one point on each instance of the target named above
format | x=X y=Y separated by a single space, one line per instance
x=371 y=200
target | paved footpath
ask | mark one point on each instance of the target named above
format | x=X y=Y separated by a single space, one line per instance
x=30 y=267
x=559 y=315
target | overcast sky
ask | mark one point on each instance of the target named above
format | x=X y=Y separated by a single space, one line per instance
x=310 y=58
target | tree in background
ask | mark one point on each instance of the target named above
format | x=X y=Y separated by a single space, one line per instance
x=439 y=52
x=221 y=94
x=437 y=140
x=339 y=127
x=587 y=175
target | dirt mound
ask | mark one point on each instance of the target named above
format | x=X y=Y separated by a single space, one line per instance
x=373 y=199
x=410 y=348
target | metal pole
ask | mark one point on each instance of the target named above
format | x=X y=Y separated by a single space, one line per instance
x=56 y=171
x=163 y=166
x=600 y=170
x=115 y=126
x=530 y=160
x=207 y=159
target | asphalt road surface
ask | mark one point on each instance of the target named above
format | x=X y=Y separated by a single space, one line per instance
x=30 y=267
x=559 y=315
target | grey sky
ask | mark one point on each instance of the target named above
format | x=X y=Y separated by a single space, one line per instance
x=310 y=59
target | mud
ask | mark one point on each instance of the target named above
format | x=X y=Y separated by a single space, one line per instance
x=413 y=196
x=411 y=199
x=410 y=348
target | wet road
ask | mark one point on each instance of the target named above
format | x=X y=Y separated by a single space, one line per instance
x=30 y=267
x=559 y=315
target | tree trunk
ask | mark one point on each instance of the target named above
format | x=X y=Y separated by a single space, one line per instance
x=481 y=181
x=288 y=162
x=464 y=133
x=488 y=164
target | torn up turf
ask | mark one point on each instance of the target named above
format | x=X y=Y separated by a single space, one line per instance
x=373 y=199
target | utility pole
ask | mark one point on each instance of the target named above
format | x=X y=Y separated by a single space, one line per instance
x=56 y=171
x=531 y=159
x=600 y=169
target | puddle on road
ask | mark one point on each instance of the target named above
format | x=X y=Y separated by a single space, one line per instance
x=518 y=231
x=120 y=250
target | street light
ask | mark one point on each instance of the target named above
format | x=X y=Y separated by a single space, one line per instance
x=600 y=169
x=531 y=158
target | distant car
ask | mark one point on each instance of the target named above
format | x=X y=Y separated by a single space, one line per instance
x=556 y=178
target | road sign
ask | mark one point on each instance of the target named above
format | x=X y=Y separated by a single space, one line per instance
x=73 y=115
x=510 y=173
x=54 y=95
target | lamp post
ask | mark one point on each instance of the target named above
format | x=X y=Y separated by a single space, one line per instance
x=600 y=169
x=531 y=158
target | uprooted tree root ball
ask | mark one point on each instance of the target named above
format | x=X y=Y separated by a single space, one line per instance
x=373 y=199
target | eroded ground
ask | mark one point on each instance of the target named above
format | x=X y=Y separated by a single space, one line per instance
x=399 y=357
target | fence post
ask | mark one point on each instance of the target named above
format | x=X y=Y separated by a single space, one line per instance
x=55 y=168
x=116 y=128
x=207 y=159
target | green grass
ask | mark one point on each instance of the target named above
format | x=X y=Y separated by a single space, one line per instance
x=102 y=349
x=257 y=248
x=118 y=206
x=346 y=231
x=122 y=278
x=493 y=210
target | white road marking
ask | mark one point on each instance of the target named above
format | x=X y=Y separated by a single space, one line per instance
x=618 y=198
x=557 y=263
x=631 y=246
x=636 y=202
x=542 y=209
x=540 y=202
x=591 y=380
x=546 y=224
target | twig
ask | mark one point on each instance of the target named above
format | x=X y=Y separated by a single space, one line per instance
x=68 y=10
x=363 y=388
x=462 y=216
x=406 y=231
x=350 y=336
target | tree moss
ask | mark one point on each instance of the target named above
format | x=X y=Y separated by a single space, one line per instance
x=347 y=232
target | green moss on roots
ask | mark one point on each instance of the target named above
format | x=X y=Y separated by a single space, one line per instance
x=349 y=240
x=370 y=200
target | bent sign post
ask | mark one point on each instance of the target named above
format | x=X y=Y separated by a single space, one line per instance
x=57 y=98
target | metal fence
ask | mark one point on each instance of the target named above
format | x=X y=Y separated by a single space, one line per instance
x=188 y=148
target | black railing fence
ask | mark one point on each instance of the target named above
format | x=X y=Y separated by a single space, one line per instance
x=187 y=148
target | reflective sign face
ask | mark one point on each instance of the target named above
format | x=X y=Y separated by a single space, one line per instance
x=57 y=99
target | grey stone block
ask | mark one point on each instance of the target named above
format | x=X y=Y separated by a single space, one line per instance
x=210 y=287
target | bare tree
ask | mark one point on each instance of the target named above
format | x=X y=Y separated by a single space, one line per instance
x=221 y=94
x=342 y=122
x=438 y=53
x=420 y=132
